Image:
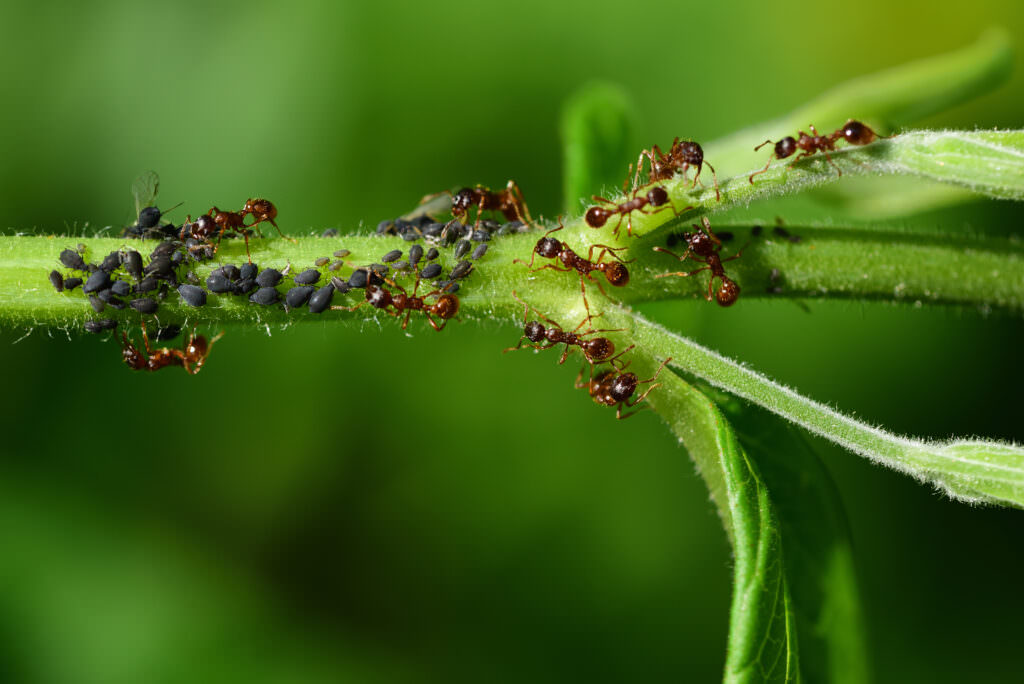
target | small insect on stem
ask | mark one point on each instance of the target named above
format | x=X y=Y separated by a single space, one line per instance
x=616 y=388
x=595 y=349
x=704 y=246
x=681 y=156
x=509 y=202
x=615 y=272
x=655 y=197
x=192 y=356
x=445 y=307
x=853 y=132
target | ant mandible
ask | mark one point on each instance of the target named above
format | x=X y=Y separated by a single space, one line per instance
x=595 y=349
x=445 y=307
x=614 y=388
x=703 y=245
x=191 y=356
x=656 y=197
x=681 y=156
x=853 y=132
x=614 y=271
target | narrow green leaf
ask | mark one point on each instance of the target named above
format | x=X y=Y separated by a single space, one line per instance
x=974 y=471
x=816 y=545
x=762 y=628
x=598 y=125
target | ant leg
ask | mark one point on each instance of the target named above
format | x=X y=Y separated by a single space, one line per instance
x=565 y=355
x=553 y=267
x=606 y=249
x=839 y=170
x=145 y=338
x=684 y=275
x=652 y=379
x=290 y=239
x=770 y=159
x=434 y=324
x=718 y=195
x=738 y=254
x=581 y=385
x=707 y=230
x=686 y=255
x=513 y=187
x=612 y=360
x=538 y=347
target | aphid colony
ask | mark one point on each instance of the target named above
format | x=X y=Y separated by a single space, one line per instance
x=122 y=278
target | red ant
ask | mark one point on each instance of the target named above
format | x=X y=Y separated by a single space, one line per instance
x=191 y=356
x=615 y=388
x=596 y=349
x=681 y=156
x=509 y=202
x=704 y=245
x=263 y=210
x=598 y=216
x=219 y=221
x=853 y=132
x=615 y=271
x=445 y=307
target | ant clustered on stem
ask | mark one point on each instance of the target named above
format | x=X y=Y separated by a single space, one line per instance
x=191 y=356
x=615 y=272
x=704 y=246
x=656 y=197
x=613 y=387
x=595 y=349
x=853 y=132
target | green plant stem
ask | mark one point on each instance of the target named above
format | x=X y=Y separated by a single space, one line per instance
x=827 y=263
x=973 y=471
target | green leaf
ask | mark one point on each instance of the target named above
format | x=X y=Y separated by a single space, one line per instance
x=598 y=125
x=762 y=627
x=974 y=471
x=816 y=545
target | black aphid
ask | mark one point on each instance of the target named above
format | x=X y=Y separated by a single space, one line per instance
x=269 y=277
x=297 y=296
x=144 y=305
x=265 y=296
x=99 y=280
x=57 y=280
x=321 y=299
x=308 y=277
x=192 y=295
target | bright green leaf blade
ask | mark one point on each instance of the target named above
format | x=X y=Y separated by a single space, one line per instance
x=974 y=471
x=598 y=124
x=762 y=628
x=816 y=545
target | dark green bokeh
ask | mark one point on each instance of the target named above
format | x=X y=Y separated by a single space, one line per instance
x=334 y=504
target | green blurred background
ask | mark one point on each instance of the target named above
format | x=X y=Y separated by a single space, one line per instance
x=332 y=504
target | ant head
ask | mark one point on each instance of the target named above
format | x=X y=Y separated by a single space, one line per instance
x=785 y=147
x=462 y=201
x=691 y=152
x=700 y=244
x=623 y=386
x=728 y=293
x=534 y=331
x=446 y=306
x=657 y=196
x=856 y=133
x=598 y=349
x=378 y=297
x=548 y=247
x=596 y=216
x=204 y=226
x=616 y=273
